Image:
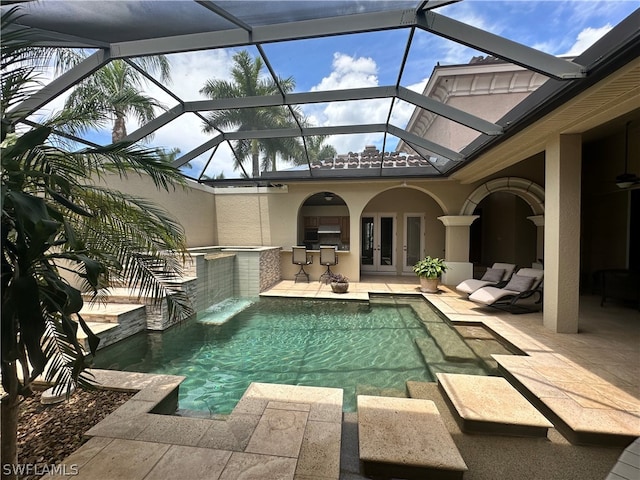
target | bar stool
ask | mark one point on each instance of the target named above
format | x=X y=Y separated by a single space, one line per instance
x=301 y=258
x=328 y=258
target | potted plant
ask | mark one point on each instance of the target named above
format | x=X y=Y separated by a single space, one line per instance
x=429 y=270
x=339 y=283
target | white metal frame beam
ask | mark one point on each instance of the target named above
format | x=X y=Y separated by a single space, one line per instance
x=313 y=131
x=430 y=21
x=62 y=83
x=417 y=99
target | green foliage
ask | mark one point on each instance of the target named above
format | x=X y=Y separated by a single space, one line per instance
x=65 y=234
x=247 y=81
x=430 y=267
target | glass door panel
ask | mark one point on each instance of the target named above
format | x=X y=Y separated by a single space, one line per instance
x=413 y=240
x=367 y=243
x=377 y=244
x=386 y=242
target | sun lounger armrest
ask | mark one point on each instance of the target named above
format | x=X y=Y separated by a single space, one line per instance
x=527 y=294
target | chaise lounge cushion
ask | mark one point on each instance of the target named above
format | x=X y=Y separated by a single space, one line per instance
x=489 y=295
x=473 y=284
x=527 y=279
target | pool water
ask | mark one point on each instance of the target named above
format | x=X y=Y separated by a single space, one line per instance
x=361 y=347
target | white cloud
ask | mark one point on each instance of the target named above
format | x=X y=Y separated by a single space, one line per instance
x=189 y=73
x=357 y=72
x=349 y=72
x=191 y=70
x=586 y=38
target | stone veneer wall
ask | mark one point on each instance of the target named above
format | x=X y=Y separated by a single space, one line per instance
x=270 y=272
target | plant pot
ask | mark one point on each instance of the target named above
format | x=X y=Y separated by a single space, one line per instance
x=429 y=285
x=339 y=287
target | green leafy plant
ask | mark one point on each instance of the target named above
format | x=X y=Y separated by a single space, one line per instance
x=430 y=267
x=66 y=236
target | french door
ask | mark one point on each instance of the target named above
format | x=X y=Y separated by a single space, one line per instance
x=378 y=242
x=413 y=247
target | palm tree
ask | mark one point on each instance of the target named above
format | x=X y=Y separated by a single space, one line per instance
x=318 y=150
x=115 y=90
x=248 y=83
x=64 y=235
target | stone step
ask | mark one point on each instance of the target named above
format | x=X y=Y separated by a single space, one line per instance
x=112 y=322
x=584 y=415
x=452 y=345
x=111 y=312
x=490 y=405
x=133 y=294
x=405 y=438
x=288 y=421
x=102 y=329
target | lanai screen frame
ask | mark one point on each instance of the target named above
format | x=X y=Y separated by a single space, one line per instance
x=231 y=28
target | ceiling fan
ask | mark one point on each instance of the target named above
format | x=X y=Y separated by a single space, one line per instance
x=626 y=179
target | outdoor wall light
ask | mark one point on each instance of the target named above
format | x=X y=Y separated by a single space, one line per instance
x=328 y=196
x=626 y=179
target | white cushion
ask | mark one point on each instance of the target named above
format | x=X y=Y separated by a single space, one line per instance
x=471 y=285
x=489 y=295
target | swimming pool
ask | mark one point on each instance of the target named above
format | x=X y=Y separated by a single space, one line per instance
x=363 y=347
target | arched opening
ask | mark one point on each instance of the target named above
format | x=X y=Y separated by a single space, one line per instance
x=323 y=219
x=397 y=228
x=504 y=231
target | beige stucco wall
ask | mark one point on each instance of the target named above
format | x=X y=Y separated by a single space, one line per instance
x=193 y=206
x=261 y=216
x=488 y=107
x=272 y=216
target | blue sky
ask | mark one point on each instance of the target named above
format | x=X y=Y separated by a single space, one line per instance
x=373 y=59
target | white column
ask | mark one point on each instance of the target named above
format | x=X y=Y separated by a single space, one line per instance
x=563 y=164
x=538 y=221
x=457 y=248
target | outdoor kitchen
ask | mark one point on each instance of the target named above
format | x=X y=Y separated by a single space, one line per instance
x=326 y=231
x=324 y=221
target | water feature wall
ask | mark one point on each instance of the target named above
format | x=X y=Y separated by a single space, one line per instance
x=224 y=272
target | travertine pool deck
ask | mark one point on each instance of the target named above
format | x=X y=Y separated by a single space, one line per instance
x=589 y=380
x=275 y=432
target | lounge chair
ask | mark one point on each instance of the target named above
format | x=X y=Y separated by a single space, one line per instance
x=496 y=276
x=523 y=284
